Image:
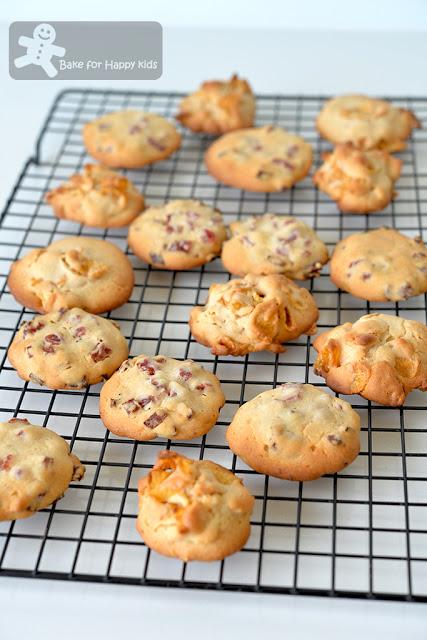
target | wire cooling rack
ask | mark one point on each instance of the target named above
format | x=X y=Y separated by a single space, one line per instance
x=360 y=533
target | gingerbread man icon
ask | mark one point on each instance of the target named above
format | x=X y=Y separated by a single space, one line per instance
x=40 y=49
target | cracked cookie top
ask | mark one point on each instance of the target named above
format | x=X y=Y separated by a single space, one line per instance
x=380 y=357
x=193 y=509
x=254 y=313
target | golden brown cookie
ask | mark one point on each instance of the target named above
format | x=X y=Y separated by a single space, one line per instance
x=218 y=107
x=130 y=139
x=98 y=197
x=295 y=432
x=380 y=265
x=380 y=357
x=74 y=272
x=36 y=467
x=158 y=397
x=259 y=159
x=180 y=234
x=255 y=313
x=193 y=509
x=359 y=181
x=366 y=122
x=274 y=244
x=67 y=349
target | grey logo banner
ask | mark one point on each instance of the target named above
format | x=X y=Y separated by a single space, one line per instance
x=85 y=50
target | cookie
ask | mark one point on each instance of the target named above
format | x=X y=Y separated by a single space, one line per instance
x=98 y=197
x=255 y=313
x=193 y=509
x=380 y=357
x=274 y=244
x=295 y=432
x=36 y=467
x=67 y=349
x=88 y=273
x=359 y=181
x=366 y=122
x=259 y=159
x=130 y=139
x=380 y=265
x=158 y=397
x=218 y=107
x=181 y=234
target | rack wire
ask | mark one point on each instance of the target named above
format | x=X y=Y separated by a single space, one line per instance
x=360 y=533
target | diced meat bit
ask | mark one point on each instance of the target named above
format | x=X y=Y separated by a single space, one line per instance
x=159 y=385
x=79 y=332
x=101 y=352
x=353 y=263
x=181 y=245
x=24 y=420
x=135 y=128
x=247 y=241
x=47 y=461
x=148 y=366
x=283 y=163
x=130 y=406
x=156 y=258
x=51 y=341
x=291 y=237
x=406 y=290
x=333 y=439
x=6 y=462
x=292 y=150
x=144 y=401
x=154 y=420
x=36 y=379
x=185 y=374
x=367 y=275
x=156 y=144
x=203 y=385
x=208 y=236
x=30 y=328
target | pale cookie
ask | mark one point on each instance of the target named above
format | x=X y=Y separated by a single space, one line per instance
x=359 y=181
x=181 y=234
x=67 y=349
x=36 y=467
x=255 y=313
x=380 y=265
x=380 y=357
x=218 y=107
x=295 y=432
x=130 y=139
x=98 y=197
x=260 y=159
x=274 y=244
x=366 y=122
x=79 y=272
x=158 y=397
x=193 y=509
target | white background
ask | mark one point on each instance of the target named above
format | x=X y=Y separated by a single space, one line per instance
x=282 y=47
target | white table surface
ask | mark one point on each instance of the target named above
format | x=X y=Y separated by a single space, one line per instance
x=275 y=62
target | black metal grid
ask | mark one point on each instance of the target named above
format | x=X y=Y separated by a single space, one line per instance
x=361 y=533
